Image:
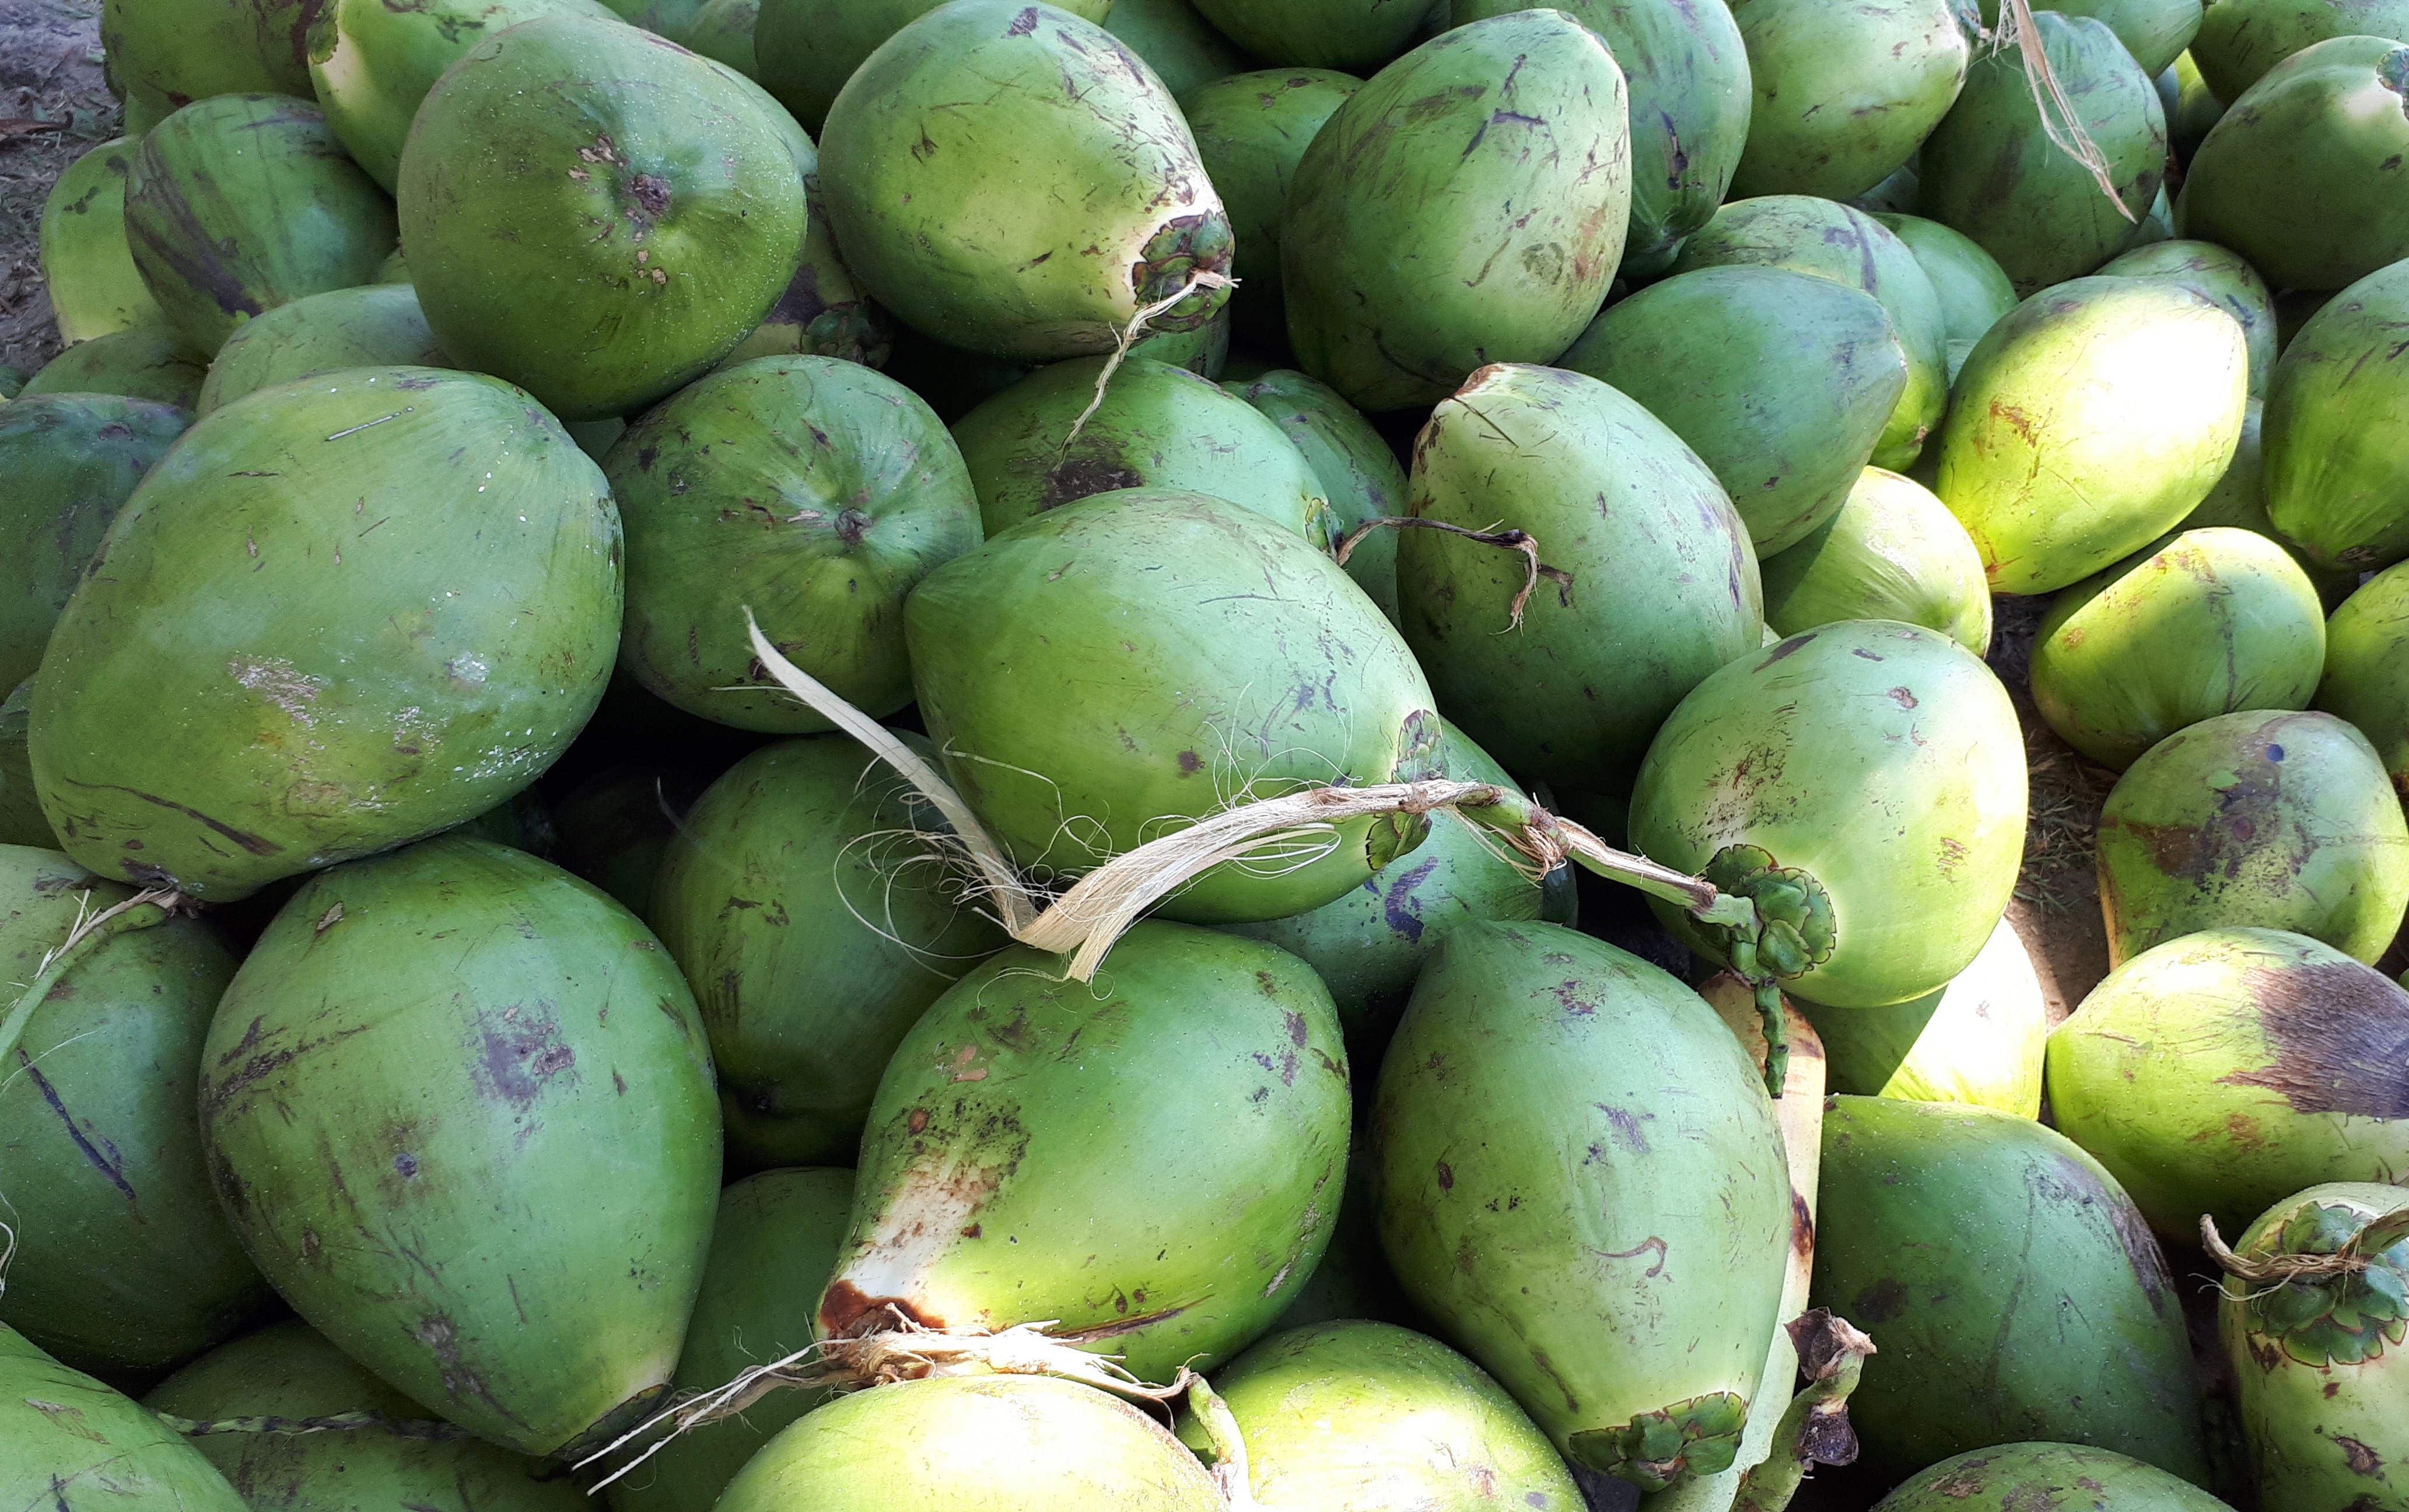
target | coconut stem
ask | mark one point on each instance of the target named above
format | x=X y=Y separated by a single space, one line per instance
x=152 y=906
x=1514 y=540
x=1816 y=1430
x=1230 y=1470
x=2352 y=1258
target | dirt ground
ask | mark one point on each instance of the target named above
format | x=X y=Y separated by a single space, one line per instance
x=54 y=109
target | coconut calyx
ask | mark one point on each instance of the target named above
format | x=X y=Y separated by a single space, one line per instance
x=2330 y=1286
x=1788 y=932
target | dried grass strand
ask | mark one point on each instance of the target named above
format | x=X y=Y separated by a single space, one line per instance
x=2059 y=119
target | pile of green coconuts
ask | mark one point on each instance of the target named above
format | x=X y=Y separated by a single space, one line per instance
x=814 y=755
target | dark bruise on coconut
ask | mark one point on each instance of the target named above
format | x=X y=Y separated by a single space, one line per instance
x=2339 y=1032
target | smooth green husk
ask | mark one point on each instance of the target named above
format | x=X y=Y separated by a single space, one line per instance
x=1991 y=171
x=2015 y=1477
x=794 y=896
x=144 y=362
x=1397 y=280
x=2320 y=1385
x=1881 y=758
x=2240 y=499
x=2154 y=32
x=1979 y=1040
x=283 y=665
x=1973 y=289
x=2367 y=669
x=2303 y=174
x=2334 y=483
x=976 y=1443
x=723 y=31
x=163 y=55
x=70 y=461
x=2239 y=40
x=772 y=1247
x=1252 y=129
x=244 y=202
x=805 y=49
x=2225 y=278
x=2268 y=819
x=1893 y=552
x=1158 y=426
x=2211 y=622
x=2092 y=418
x=528 y=1105
x=69 y=1444
x=21 y=812
x=1188 y=627
x=1966 y=1240
x=1180 y=46
x=1850 y=247
x=1023 y=1112
x=604 y=243
x=1359 y=474
x=1341 y=1412
x=1020 y=190
x=1580 y=1175
x=95 y=287
x=812 y=491
x=372 y=325
x=122 y=1261
x=1781 y=381
x=1844 y=93
x=1686 y=68
x=1358 y=36
x=2225 y=1069
x=1663 y=586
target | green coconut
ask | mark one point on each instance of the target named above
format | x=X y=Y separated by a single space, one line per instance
x=163 y=55
x=21 y=812
x=2192 y=108
x=1197 y=627
x=2211 y=622
x=2220 y=276
x=813 y=492
x=2367 y=668
x=1022 y=1112
x=2317 y=1357
x=69 y=1444
x=2300 y=175
x=2013 y=1477
x=2091 y=420
x=122 y=1261
x=1973 y=289
x=1992 y=171
x=824 y=311
x=2223 y=1070
x=603 y=245
x=1844 y=93
x=373 y=326
x=1358 y=36
x=771 y=1248
x=1055 y=195
x=1849 y=247
x=1893 y=552
x=2332 y=484
x=1686 y=68
x=1664 y=582
x=285 y=666
x=370 y=64
x=288 y=1371
x=147 y=362
x=2010 y=1286
x=1182 y=47
x=1579 y=1177
x=663 y=18
x=2240 y=499
x=1358 y=473
x=1252 y=129
x=1353 y=1414
x=2239 y=40
x=723 y=31
x=527 y=1105
x=805 y=49
x=1466 y=206
x=2266 y=819
x=1880 y=762
x=70 y=460
x=976 y=1443
x=1368 y=947
x=2154 y=32
x=1978 y=1040
x=795 y=896
x=1158 y=426
x=94 y=285
x=244 y=202
x=1781 y=381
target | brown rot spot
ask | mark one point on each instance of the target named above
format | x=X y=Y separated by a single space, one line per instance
x=1881 y=1302
x=2361 y=1460
x=1078 y=477
x=520 y=1052
x=846 y=1311
x=1296 y=1028
x=919 y=1122
x=1446 y=1177
x=1189 y=763
x=1903 y=697
x=971 y=1232
x=2339 y=1032
x=650 y=194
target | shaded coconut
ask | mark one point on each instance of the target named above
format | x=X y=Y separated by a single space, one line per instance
x=1781 y=381
x=2192 y=108
x=1580 y=1177
x=1397 y=284
x=2334 y=483
x=1992 y=172
x=1893 y=552
x=2272 y=820
x=146 y=362
x=1966 y=1241
x=2239 y=40
x=2090 y=420
x=1979 y=1040
x=163 y=55
x=87 y=265
x=20 y=810
x=2367 y=669
x=1251 y=130
x=1023 y=1110
x=244 y=202
x=722 y=31
x=2225 y=1069
x=1358 y=36
x=615 y=827
x=1973 y=289
x=1182 y=47
x=373 y=326
x=2015 y=1477
x=805 y=49
x=1358 y=473
x=2223 y=277
x=2211 y=622
x=1876 y=764
x=70 y=1444
x=1846 y=94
